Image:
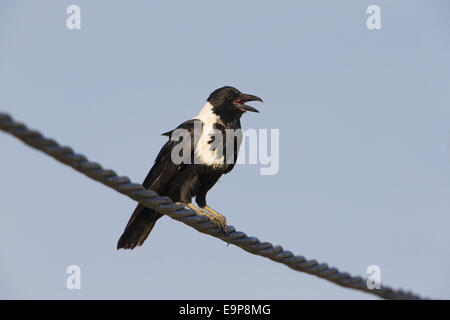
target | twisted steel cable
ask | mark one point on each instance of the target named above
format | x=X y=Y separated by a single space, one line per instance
x=179 y=212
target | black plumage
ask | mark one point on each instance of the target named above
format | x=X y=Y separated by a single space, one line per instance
x=193 y=178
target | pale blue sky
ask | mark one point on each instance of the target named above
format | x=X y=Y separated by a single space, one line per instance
x=364 y=130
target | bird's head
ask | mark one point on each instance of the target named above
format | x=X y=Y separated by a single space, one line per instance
x=229 y=102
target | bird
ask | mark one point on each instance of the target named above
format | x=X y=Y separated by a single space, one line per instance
x=204 y=161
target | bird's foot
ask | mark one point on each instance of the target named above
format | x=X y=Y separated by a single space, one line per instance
x=223 y=226
x=220 y=223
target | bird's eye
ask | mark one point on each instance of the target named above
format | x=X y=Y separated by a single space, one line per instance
x=230 y=95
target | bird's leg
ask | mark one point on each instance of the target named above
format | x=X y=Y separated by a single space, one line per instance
x=218 y=216
x=206 y=214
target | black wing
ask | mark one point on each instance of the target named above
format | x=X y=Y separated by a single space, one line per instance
x=158 y=179
x=164 y=169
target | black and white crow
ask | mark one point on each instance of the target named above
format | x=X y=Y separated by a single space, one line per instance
x=207 y=162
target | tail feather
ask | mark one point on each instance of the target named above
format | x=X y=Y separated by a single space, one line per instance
x=138 y=228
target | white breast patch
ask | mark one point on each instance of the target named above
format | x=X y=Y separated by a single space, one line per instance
x=203 y=152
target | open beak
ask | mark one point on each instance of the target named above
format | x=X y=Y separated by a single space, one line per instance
x=243 y=98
